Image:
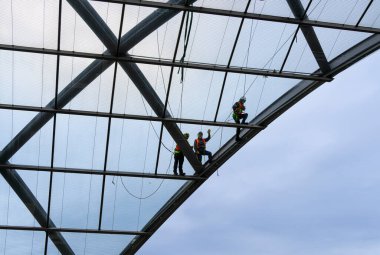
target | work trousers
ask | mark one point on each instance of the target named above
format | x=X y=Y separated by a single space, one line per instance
x=178 y=161
x=201 y=153
x=243 y=117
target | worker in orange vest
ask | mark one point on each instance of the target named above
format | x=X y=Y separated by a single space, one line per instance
x=200 y=146
x=239 y=114
x=179 y=158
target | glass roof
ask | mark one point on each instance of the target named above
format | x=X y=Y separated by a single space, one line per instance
x=90 y=121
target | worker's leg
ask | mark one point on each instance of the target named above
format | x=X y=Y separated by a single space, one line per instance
x=244 y=117
x=237 y=121
x=209 y=155
x=199 y=156
x=181 y=158
x=175 y=164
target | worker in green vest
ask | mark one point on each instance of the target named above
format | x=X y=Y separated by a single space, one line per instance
x=179 y=158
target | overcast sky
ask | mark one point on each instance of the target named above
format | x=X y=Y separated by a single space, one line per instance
x=308 y=184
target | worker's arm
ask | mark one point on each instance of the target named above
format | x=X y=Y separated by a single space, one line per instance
x=195 y=146
x=209 y=135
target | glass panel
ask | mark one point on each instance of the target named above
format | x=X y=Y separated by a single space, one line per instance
x=238 y=5
x=197 y=97
x=337 y=11
x=94 y=97
x=211 y=39
x=78 y=36
x=335 y=42
x=263 y=44
x=129 y=100
x=27 y=23
x=12 y=210
x=131 y=202
x=301 y=59
x=27 y=78
x=160 y=43
x=271 y=7
x=80 y=141
x=82 y=243
x=16 y=242
x=372 y=17
x=133 y=146
x=37 y=150
x=76 y=200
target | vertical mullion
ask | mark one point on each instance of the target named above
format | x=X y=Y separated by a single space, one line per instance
x=54 y=124
x=365 y=11
x=168 y=92
x=110 y=120
x=230 y=60
x=294 y=38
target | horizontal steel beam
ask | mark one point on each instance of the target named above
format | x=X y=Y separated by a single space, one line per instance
x=100 y=172
x=239 y=14
x=127 y=116
x=75 y=230
x=170 y=63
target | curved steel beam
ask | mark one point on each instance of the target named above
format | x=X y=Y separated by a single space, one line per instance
x=272 y=112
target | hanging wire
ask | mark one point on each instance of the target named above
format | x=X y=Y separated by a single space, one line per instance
x=340 y=31
x=13 y=67
x=151 y=125
x=216 y=61
x=94 y=143
x=151 y=194
x=188 y=26
x=68 y=121
x=39 y=135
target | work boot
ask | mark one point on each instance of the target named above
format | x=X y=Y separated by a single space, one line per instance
x=182 y=174
x=238 y=139
x=175 y=172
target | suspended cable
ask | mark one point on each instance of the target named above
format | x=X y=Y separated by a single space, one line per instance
x=340 y=31
x=12 y=123
x=151 y=194
x=188 y=26
x=39 y=135
x=68 y=122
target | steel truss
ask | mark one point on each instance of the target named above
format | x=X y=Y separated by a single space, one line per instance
x=100 y=172
x=117 y=49
x=74 y=230
x=165 y=62
x=238 y=14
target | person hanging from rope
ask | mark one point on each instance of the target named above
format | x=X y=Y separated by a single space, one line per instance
x=239 y=114
x=179 y=158
x=200 y=146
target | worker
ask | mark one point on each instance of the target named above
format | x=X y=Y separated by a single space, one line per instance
x=179 y=158
x=239 y=114
x=200 y=146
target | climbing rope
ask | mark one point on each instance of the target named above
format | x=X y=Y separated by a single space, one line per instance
x=188 y=26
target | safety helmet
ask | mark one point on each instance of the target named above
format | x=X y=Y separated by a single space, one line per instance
x=200 y=133
x=243 y=99
x=186 y=135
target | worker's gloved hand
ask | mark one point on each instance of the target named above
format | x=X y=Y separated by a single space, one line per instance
x=209 y=131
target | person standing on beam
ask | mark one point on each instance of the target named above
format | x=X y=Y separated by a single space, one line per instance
x=239 y=114
x=179 y=158
x=200 y=146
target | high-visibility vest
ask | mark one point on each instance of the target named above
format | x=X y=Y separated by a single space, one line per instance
x=238 y=108
x=177 y=149
x=203 y=144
